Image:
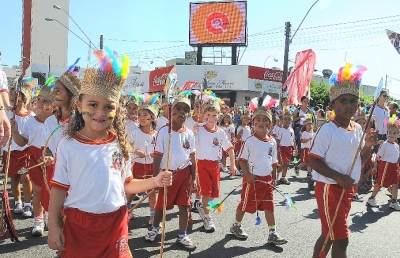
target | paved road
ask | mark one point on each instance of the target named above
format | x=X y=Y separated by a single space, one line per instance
x=374 y=232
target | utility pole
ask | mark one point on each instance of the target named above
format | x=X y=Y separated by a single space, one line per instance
x=234 y=55
x=386 y=82
x=199 y=57
x=48 y=74
x=286 y=56
x=101 y=41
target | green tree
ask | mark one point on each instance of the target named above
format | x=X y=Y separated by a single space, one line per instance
x=319 y=93
x=367 y=99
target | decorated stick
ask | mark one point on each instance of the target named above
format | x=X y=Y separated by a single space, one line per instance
x=34 y=166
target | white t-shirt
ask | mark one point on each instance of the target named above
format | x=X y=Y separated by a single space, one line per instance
x=389 y=152
x=21 y=121
x=191 y=122
x=260 y=154
x=93 y=173
x=161 y=121
x=380 y=115
x=246 y=132
x=3 y=81
x=33 y=131
x=337 y=147
x=144 y=142
x=210 y=142
x=305 y=136
x=286 y=136
x=50 y=125
x=182 y=146
x=229 y=130
x=275 y=130
x=130 y=125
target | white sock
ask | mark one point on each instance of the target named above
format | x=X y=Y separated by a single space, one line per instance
x=27 y=204
x=16 y=202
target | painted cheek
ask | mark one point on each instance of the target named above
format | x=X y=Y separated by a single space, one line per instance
x=87 y=112
x=47 y=107
x=111 y=116
x=58 y=98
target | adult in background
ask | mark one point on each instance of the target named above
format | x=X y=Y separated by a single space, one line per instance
x=379 y=115
x=299 y=116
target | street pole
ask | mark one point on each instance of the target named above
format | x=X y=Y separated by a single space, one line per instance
x=286 y=55
x=48 y=75
x=101 y=41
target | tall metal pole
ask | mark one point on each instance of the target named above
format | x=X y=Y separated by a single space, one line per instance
x=48 y=75
x=101 y=41
x=286 y=55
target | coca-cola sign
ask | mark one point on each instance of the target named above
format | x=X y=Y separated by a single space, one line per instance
x=158 y=77
x=265 y=74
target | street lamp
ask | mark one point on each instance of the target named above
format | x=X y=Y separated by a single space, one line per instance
x=152 y=61
x=275 y=59
x=52 y=19
x=60 y=8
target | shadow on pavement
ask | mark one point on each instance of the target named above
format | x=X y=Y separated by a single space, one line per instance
x=360 y=222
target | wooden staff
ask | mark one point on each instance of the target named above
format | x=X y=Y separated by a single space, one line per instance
x=322 y=251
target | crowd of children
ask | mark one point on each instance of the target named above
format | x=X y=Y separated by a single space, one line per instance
x=83 y=150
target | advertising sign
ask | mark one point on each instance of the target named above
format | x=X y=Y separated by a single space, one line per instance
x=218 y=23
x=264 y=79
x=158 y=77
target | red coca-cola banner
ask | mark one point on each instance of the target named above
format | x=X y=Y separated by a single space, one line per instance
x=265 y=74
x=158 y=77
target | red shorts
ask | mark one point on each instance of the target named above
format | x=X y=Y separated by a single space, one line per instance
x=368 y=163
x=285 y=154
x=387 y=174
x=327 y=196
x=178 y=193
x=209 y=177
x=257 y=196
x=35 y=174
x=304 y=155
x=142 y=171
x=96 y=235
x=44 y=193
x=18 y=160
x=238 y=147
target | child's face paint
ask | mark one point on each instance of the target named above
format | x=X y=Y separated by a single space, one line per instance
x=58 y=98
x=111 y=115
x=87 y=112
x=59 y=95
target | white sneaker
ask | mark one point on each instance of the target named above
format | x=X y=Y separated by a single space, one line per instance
x=395 y=206
x=209 y=224
x=225 y=169
x=372 y=202
x=38 y=228
x=27 y=212
x=18 y=208
x=46 y=219
x=151 y=234
x=200 y=209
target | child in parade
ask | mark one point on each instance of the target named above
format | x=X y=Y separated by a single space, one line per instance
x=19 y=154
x=243 y=132
x=226 y=124
x=258 y=159
x=164 y=118
x=63 y=97
x=31 y=135
x=182 y=153
x=143 y=140
x=287 y=147
x=389 y=171
x=306 y=141
x=93 y=166
x=197 y=117
x=210 y=141
x=331 y=162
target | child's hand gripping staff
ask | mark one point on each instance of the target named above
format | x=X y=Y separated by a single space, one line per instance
x=6 y=221
x=171 y=86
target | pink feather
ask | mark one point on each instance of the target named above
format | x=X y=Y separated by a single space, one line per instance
x=196 y=92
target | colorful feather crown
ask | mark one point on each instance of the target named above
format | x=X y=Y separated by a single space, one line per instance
x=262 y=105
x=392 y=122
x=147 y=101
x=346 y=81
x=28 y=81
x=70 y=79
x=106 y=81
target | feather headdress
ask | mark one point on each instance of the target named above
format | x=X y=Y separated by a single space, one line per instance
x=150 y=102
x=392 y=122
x=346 y=81
x=70 y=79
x=106 y=81
x=28 y=87
x=262 y=105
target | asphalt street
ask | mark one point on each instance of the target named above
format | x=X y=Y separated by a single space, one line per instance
x=374 y=231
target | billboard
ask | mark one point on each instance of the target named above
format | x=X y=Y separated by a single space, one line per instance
x=218 y=23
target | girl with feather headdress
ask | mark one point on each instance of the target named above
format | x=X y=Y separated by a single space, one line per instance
x=94 y=167
x=31 y=135
x=258 y=160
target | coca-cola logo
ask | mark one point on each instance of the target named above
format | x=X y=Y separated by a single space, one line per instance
x=160 y=80
x=273 y=76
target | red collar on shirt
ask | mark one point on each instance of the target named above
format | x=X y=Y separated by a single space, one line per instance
x=149 y=133
x=23 y=115
x=110 y=138
x=350 y=128
x=211 y=130
x=182 y=130
x=266 y=139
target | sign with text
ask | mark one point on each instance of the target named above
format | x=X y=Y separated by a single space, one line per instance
x=264 y=79
x=158 y=77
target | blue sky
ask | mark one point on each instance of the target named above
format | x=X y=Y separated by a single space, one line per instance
x=159 y=20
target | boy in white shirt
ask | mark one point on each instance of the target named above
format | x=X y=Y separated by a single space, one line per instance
x=197 y=117
x=164 y=119
x=258 y=159
x=210 y=142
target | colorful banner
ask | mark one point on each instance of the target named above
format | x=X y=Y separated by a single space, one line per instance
x=394 y=39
